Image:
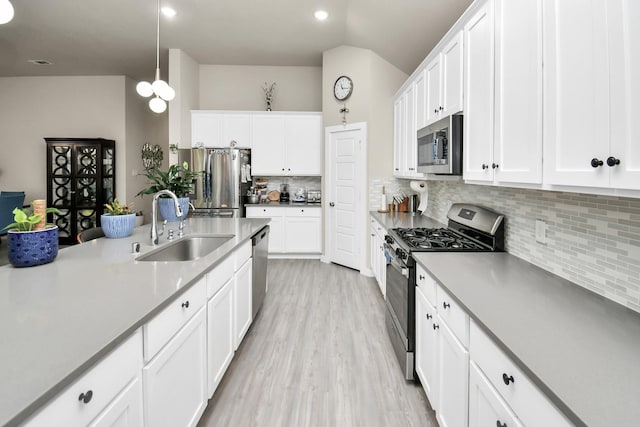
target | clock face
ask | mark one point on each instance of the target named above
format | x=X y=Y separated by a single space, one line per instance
x=342 y=88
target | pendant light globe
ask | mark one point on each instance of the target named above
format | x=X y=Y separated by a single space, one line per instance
x=160 y=87
x=157 y=105
x=144 y=89
x=6 y=11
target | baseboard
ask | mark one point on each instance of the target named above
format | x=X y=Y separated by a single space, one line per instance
x=295 y=256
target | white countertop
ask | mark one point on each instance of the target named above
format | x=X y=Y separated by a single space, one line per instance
x=58 y=319
x=581 y=349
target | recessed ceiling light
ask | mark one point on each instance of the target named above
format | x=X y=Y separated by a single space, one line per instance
x=40 y=62
x=169 y=12
x=321 y=15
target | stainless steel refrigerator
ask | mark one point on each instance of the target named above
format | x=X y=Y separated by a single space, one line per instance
x=224 y=176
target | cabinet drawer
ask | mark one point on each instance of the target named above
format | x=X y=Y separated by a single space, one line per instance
x=426 y=283
x=486 y=406
x=304 y=212
x=264 y=211
x=529 y=403
x=456 y=318
x=103 y=382
x=242 y=254
x=160 y=329
x=220 y=275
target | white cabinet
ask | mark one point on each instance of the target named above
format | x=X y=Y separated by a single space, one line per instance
x=287 y=144
x=378 y=258
x=242 y=314
x=591 y=103
x=441 y=355
x=486 y=407
x=175 y=381
x=405 y=148
x=444 y=81
x=296 y=231
x=526 y=401
x=220 y=342
x=478 y=94
x=218 y=128
x=108 y=394
x=398 y=136
x=503 y=93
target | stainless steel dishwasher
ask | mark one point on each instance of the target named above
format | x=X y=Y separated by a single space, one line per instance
x=260 y=253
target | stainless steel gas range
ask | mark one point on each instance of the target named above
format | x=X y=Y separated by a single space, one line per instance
x=470 y=229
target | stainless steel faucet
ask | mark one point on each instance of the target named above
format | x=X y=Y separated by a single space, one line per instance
x=154 y=212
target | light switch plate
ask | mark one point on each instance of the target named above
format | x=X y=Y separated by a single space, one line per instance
x=541 y=231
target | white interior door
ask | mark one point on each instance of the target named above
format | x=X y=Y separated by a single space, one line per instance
x=345 y=201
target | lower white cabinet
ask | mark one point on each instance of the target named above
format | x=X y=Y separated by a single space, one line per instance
x=109 y=394
x=175 y=381
x=378 y=258
x=242 y=294
x=293 y=230
x=220 y=338
x=486 y=407
x=453 y=378
x=426 y=353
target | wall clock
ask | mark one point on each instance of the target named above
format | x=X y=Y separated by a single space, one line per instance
x=342 y=88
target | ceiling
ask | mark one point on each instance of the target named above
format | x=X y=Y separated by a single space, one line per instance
x=117 y=37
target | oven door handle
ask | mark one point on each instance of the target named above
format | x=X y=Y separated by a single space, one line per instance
x=404 y=271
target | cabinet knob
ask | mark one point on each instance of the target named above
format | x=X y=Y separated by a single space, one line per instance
x=499 y=424
x=484 y=166
x=595 y=162
x=494 y=165
x=289 y=169
x=441 y=108
x=397 y=169
x=185 y=304
x=301 y=210
x=421 y=277
x=507 y=379
x=86 y=397
x=612 y=161
x=446 y=305
x=435 y=327
x=332 y=204
x=372 y=235
x=282 y=169
x=429 y=316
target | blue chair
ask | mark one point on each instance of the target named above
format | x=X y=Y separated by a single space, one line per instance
x=9 y=200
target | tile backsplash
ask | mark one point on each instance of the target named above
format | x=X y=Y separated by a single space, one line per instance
x=592 y=240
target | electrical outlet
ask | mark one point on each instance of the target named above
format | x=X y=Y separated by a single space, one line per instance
x=541 y=231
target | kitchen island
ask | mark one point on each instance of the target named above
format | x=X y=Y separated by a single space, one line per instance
x=57 y=320
x=579 y=348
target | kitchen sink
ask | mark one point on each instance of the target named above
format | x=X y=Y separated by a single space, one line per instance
x=186 y=249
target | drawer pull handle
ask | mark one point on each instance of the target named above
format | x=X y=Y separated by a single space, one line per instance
x=435 y=327
x=499 y=424
x=429 y=316
x=185 y=304
x=421 y=277
x=446 y=305
x=507 y=379
x=86 y=397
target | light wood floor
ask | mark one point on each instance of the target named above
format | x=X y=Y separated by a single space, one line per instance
x=317 y=355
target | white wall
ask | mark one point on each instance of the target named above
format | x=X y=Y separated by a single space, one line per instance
x=239 y=87
x=183 y=77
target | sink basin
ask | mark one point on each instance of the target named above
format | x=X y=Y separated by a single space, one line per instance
x=186 y=249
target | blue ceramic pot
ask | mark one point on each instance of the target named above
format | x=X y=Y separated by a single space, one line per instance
x=168 y=210
x=30 y=248
x=117 y=226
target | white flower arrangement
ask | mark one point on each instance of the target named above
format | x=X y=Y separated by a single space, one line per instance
x=268 y=93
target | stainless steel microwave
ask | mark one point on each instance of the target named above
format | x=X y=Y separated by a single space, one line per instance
x=440 y=147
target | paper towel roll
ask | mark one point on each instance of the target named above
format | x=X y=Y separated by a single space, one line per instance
x=420 y=187
x=383 y=202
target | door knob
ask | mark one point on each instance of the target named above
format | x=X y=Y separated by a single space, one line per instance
x=612 y=161
x=332 y=204
x=595 y=162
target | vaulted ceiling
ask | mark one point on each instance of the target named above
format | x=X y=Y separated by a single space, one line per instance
x=117 y=37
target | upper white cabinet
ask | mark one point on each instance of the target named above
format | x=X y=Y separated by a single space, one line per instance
x=398 y=136
x=444 y=81
x=218 y=129
x=503 y=87
x=591 y=93
x=283 y=143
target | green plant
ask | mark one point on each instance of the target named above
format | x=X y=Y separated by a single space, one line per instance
x=116 y=208
x=24 y=221
x=177 y=179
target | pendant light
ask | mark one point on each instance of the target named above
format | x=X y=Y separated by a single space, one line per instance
x=6 y=11
x=162 y=91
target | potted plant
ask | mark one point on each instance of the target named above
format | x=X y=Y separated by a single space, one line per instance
x=118 y=221
x=178 y=179
x=28 y=246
